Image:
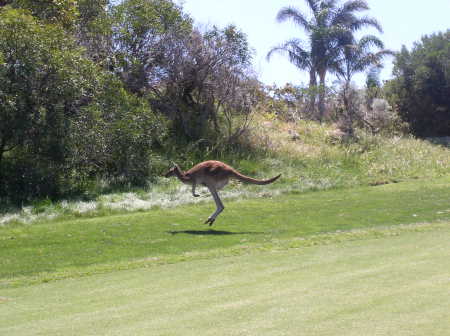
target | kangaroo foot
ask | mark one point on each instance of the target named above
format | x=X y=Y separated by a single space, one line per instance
x=210 y=221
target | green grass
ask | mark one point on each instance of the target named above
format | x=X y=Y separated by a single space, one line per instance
x=359 y=261
x=65 y=249
x=392 y=285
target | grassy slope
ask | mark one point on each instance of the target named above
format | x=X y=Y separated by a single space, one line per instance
x=394 y=285
x=52 y=250
x=317 y=160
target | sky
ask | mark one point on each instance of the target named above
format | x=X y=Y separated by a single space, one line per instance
x=403 y=21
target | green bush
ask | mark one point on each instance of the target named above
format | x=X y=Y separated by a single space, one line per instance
x=64 y=122
x=420 y=88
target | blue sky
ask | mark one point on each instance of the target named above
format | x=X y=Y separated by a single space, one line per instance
x=403 y=22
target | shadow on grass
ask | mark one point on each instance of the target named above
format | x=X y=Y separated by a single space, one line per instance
x=210 y=232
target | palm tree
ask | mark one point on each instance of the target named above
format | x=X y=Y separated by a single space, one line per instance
x=328 y=29
x=357 y=56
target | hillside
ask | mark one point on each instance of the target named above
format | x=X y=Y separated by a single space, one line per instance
x=310 y=157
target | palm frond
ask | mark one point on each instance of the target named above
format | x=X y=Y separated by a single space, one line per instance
x=342 y=17
x=366 y=22
x=329 y=3
x=291 y=13
x=355 y=6
x=297 y=55
x=368 y=41
x=313 y=5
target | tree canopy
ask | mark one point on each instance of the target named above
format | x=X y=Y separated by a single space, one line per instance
x=420 y=89
x=95 y=90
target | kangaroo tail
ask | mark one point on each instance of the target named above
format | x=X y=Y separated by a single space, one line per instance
x=247 y=179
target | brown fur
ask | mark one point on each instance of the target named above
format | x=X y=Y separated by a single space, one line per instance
x=214 y=175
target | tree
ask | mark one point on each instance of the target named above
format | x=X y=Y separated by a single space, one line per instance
x=114 y=137
x=87 y=20
x=44 y=80
x=209 y=80
x=89 y=89
x=329 y=28
x=63 y=120
x=61 y=12
x=421 y=85
x=141 y=31
x=93 y=30
x=356 y=57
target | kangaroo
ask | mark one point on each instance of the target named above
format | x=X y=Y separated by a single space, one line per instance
x=214 y=175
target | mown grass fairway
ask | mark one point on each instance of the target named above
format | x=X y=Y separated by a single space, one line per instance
x=394 y=285
x=362 y=261
x=46 y=251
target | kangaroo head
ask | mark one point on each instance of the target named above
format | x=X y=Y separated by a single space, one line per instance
x=172 y=171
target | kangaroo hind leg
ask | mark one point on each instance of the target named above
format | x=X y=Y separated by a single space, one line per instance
x=219 y=206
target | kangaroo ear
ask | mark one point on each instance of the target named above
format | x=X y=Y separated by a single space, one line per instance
x=174 y=165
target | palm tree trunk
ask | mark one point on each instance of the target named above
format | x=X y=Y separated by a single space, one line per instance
x=2 y=153
x=312 y=93
x=348 y=109
x=322 y=73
